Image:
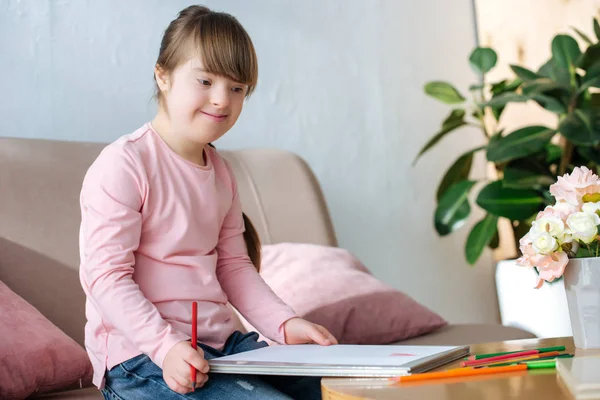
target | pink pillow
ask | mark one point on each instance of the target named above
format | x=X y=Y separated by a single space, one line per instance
x=35 y=355
x=330 y=287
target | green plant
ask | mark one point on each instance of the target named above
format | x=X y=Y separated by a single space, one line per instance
x=527 y=160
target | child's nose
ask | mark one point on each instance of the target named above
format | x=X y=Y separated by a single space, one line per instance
x=220 y=98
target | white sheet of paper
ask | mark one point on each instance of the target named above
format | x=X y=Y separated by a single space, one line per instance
x=381 y=355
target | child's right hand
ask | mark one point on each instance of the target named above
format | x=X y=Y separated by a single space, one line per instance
x=177 y=371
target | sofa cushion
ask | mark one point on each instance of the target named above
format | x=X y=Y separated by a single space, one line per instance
x=329 y=286
x=35 y=355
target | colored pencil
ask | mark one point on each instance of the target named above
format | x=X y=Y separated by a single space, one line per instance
x=194 y=340
x=541 y=350
x=504 y=357
x=515 y=359
x=459 y=372
x=539 y=360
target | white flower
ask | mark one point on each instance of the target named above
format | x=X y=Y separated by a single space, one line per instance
x=591 y=208
x=550 y=224
x=544 y=243
x=583 y=226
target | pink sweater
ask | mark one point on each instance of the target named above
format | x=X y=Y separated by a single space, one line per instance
x=158 y=232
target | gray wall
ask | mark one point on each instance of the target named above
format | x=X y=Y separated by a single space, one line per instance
x=340 y=84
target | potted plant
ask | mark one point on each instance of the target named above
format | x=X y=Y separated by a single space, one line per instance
x=528 y=160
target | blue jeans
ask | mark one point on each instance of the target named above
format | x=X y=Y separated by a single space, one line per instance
x=140 y=378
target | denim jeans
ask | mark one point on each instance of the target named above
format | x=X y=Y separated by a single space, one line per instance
x=140 y=378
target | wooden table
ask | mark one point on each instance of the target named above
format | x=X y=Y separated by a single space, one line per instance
x=531 y=384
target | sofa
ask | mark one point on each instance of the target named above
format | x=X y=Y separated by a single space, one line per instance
x=40 y=182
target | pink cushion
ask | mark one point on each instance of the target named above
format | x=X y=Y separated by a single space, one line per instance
x=330 y=287
x=35 y=355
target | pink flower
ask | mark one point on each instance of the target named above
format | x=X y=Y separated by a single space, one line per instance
x=526 y=249
x=551 y=267
x=571 y=188
x=561 y=211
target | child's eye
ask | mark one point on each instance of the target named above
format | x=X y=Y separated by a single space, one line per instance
x=238 y=89
x=204 y=82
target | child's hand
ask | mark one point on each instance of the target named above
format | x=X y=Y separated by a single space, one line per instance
x=177 y=371
x=299 y=331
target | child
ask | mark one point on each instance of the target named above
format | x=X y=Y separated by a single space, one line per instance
x=162 y=227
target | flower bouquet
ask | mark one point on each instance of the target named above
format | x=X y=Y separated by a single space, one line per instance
x=568 y=229
x=564 y=240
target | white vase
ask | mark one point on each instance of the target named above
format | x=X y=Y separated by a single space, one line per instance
x=582 y=286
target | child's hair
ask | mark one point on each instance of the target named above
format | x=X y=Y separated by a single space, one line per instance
x=252 y=242
x=218 y=38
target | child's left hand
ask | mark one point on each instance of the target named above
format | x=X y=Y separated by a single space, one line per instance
x=300 y=331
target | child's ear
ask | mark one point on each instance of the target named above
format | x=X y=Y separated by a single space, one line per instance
x=162 y=78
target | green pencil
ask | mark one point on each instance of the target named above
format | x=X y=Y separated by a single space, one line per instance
x=541 y=364
x=534 y=361
x=541 y=350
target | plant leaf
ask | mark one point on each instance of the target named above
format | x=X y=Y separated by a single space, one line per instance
x=456 y=115
x=483 y=59
x=582 y=35
x=520 y=143
x=514 y=204
x=495 y=242
x=550 y=103
x=590 y=57
x=596 y=29
x=476 y=87
x=524 y=73
x=589 y=153
x=453 y=121
x=443 y=91
x=453 y=209
x=554 y=153
x=459 y=171
x=497 y=112
x=503 y=99
x=520 y=179
x=591 y=78
x=565 y=51
x=551 y=70
x=582 y=127
x=543 y=85
x=481 y=235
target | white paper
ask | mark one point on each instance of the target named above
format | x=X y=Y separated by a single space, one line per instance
x=370 y=355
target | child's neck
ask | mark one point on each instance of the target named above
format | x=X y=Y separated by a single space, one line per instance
x=191 y=151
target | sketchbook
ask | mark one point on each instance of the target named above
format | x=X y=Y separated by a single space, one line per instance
x=338 y=360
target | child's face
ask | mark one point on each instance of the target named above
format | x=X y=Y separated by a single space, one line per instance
x=202 y=106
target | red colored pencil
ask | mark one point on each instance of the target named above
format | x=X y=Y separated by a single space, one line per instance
x=194 y=340
x=499 y=358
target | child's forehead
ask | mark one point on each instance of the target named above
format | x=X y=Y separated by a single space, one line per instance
x=195 y=62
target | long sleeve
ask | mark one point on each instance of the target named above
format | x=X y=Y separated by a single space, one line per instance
x=245 y=288
x=112 y=196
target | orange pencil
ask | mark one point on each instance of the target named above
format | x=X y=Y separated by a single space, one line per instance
x=194 y=340
x=461 y=372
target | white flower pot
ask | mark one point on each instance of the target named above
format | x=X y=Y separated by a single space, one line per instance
x=582 y=286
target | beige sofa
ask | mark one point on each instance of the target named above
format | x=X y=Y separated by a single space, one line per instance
x=39 y=222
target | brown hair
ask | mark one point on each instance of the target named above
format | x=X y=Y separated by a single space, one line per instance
x=252 y=242
x=218 y=39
